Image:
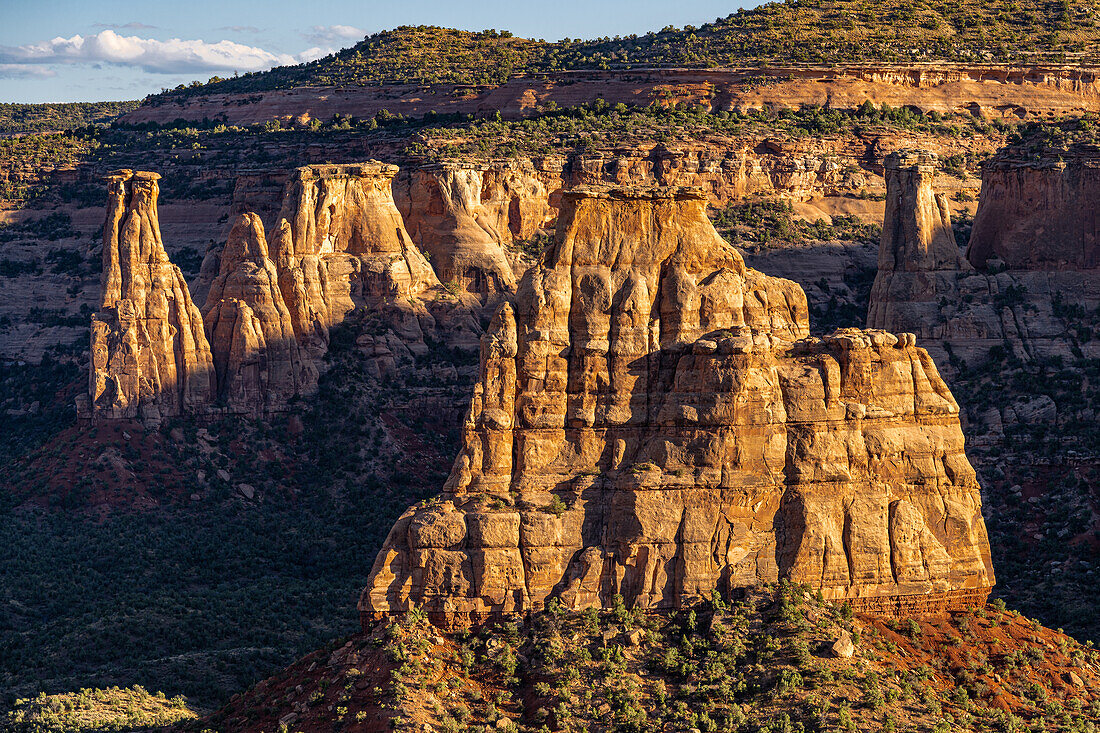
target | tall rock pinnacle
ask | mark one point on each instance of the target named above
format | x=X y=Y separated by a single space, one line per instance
x=652 y=420
x=917 y=250
x=916 y=231
x=149 y=354
x=259 y=363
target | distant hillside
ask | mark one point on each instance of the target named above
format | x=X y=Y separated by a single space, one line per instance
x=20 y=118
x=795 y=31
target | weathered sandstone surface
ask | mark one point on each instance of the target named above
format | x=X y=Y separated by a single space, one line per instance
x=339 y=241
x=1039 y=214
x=463 y=219
x=149 y=353
x=992 y=91
x=259 y=362
x=339 y=244
x=653 y=420
x=1034 y=244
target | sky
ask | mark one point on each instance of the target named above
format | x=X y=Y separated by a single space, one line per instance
x=96 y=50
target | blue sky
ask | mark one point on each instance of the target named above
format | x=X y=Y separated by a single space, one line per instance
x=90 y=50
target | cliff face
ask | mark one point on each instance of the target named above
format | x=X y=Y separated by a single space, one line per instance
x=1039 y=215
x=1033 y=220
x=149 y=354
x=464 y=226
x=340 y=239
x=652 y=420
x=258 y=360
x=1013 y=92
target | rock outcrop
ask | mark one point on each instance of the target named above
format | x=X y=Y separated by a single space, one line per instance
x=653 y=420
x=1034 y=240
x=467 y=217
x=340 y=240
x=916 y=230
x=918 y=253
x=339 y=244
x=259 y=363
x=149 y=353
x=1039 y=214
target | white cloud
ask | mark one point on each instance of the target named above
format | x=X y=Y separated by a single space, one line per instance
x=167 y=57
x=312 y=54
x=334 y=34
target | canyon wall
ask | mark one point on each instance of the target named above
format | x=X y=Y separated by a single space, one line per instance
x=991 y=91
x=653 y=420
x=1032 y=252
x=1039 y=214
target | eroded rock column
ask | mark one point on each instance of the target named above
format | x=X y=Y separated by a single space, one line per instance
x=149 y=354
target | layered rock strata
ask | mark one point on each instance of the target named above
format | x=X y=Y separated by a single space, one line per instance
x=149 y=353
x=1013 y=92
x=653 y=420
x=259 y=362
x=1034 y=242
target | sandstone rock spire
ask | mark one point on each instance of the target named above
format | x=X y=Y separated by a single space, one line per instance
x=917 y=250
x=149 y=354
x=257 y=357
x=652 y=420
x=916 y=230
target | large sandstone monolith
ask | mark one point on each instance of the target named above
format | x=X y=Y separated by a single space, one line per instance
x=149 y=354
x=653 y=420
x=259 y=363
x=340 y=241
x=916 y=230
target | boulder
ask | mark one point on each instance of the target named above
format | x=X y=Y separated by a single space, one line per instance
x=843 y=647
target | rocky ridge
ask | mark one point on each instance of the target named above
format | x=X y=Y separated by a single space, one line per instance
x=989 y=90
x=653 y=421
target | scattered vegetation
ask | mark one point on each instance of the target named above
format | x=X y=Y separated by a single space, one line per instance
x=23 y=118
x=793 y=31
x=758 y=664
x=600 y=124
x=97 y=711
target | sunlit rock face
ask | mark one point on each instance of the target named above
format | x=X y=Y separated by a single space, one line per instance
x=259 y=363
x=149 y=354
x=340 y=241
x=653 y=420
